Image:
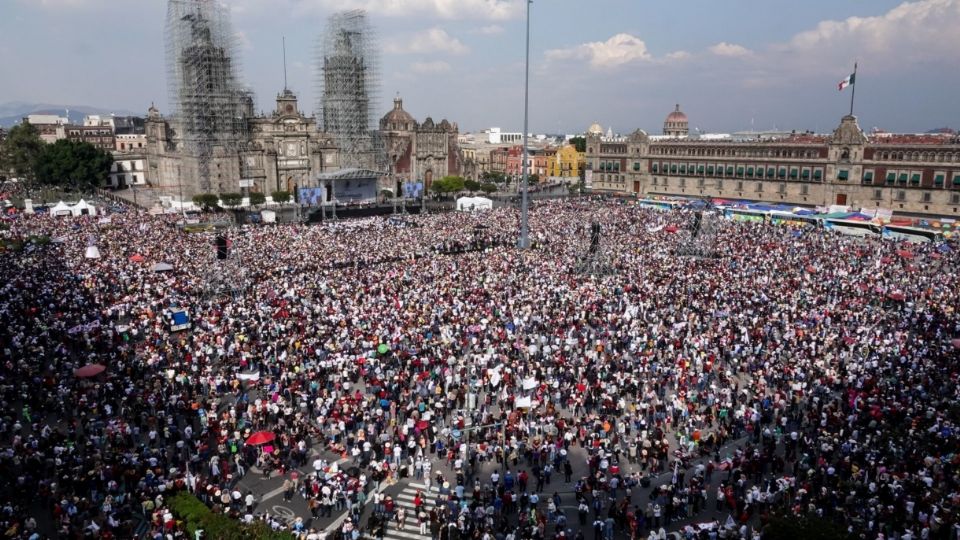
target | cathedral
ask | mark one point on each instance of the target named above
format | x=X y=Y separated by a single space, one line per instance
x=419 y=152
x=280 y=152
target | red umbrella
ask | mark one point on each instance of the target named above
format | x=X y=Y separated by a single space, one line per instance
x=863 y=286
x=886 y=260
x=671 y=228
x=422 y=425
x=91 y=370
x=905 y=254
x=137 y=258
x=935 y=255
x=261 y=437
x=896 y=296
x=811 y=269
x=956 y=343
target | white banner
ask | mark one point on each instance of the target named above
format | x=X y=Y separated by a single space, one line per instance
x=530 y=383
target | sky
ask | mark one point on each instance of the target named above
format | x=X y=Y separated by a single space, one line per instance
x=731 y=64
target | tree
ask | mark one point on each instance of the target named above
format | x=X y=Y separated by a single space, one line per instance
x=19 y=153
x=206 y=201
x=471 y=185
x=257 y=198
x=533 y=178
x=280 y=197
x=448 y=184
x=580 y=143
x=231 y=199
x=72 y=165
x=487 y=187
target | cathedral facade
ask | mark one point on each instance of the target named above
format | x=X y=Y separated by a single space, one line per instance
x=419 y=152
x=278 y=152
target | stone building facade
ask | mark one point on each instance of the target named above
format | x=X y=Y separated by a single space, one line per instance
x=419 y=152
x=281 y=151
x=906 y=173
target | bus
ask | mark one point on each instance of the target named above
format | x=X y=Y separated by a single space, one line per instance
x=911 y=234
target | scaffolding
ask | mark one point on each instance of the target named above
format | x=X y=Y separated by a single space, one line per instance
x=698 y=240
x=348 y=80
x=211 y=107
x=596 y=260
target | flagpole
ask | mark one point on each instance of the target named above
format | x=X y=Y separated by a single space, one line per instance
x=853 y=83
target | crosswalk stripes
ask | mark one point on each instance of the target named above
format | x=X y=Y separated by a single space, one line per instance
x=404 y=499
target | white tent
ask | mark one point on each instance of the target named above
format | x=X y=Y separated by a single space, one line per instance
x=83 y=208
x=61 y=209
x=269 y=216
x=474 y=203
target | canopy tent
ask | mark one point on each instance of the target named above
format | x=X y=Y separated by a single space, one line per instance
x=61 y=209
x=162 y=267
x=83 y=208
x=474 y=203
x=268 y=216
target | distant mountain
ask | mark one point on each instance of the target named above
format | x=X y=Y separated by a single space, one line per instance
x=13 y=112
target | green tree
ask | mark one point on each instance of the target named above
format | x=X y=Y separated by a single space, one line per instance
x=280 y=196
x=448 y=184
x=471 y=185
x=72 y=165
x=257 y=198
x=488 y=187
x=533 y=178
x=206 y=201
x=20 y=151
x=231 y=199
x=580 y=143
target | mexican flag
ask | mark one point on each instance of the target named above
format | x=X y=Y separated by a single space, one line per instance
x=851 y=79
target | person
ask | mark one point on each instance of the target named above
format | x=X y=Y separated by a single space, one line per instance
x=401 y=517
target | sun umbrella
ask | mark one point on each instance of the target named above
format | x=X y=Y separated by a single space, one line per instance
x=260 y=437
x=956 y=343
x=91 y=370
x=422 y=425
x=137 y=258
x=905 y=254
x=671 y=228
x=162 y=267
x=896 y=296
x=383 y=348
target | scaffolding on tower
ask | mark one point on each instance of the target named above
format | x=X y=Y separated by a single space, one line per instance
x=211 y=107
x=348 y=82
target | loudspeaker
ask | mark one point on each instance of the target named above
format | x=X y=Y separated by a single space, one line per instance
x=594 y=237
x=697 y=222
x=221 y=247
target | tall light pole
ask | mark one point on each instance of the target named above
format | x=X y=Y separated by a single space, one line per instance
x=524 y=226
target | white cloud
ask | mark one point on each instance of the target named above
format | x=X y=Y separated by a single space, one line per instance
x=243 y=41
x=618 y=50
x=437 y=66
x=923 y=30
x=729 y=49
x=429 y=41
x=489 y=30
x=678 y=55
x=494 y=10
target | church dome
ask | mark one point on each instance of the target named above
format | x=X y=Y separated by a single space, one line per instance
x=676 y=116
x=595 y=129
x=397 y=119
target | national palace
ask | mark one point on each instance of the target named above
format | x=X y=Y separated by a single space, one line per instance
x=917 y=174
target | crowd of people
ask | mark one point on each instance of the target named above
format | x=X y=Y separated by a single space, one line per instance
x=798 y=372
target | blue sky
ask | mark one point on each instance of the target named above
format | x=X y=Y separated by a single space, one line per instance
x=731 y=64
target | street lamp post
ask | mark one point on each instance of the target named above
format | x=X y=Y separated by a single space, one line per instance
x=524 y=225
